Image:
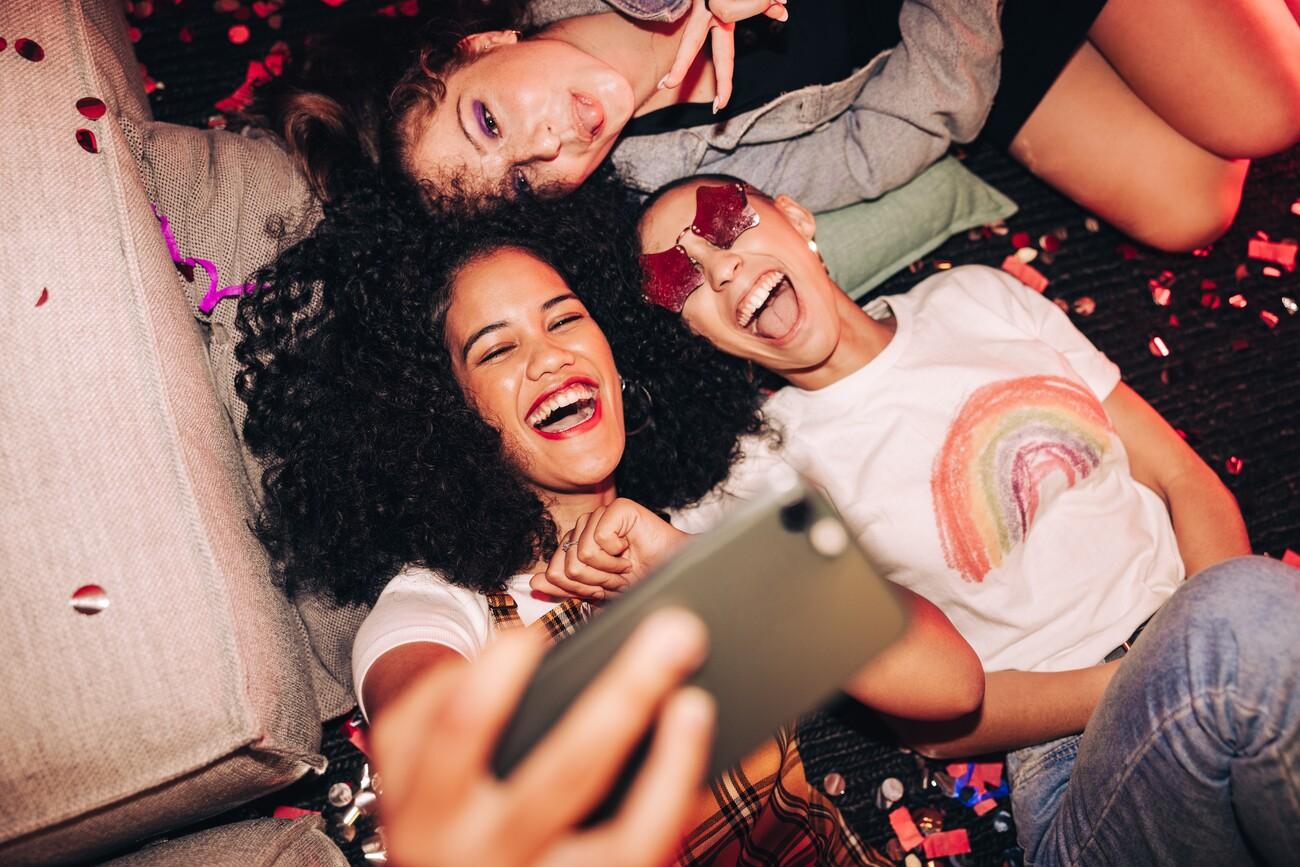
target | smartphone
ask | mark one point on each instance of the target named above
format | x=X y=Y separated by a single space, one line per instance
x=793 y=608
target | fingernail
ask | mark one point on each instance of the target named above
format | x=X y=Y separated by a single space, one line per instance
x=785 y=14
x=676 y=634
x=663 y=82
x=715 y=105
x=694 y=707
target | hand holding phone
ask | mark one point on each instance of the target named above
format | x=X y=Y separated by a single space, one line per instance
x=442 y=804
x=793 y=609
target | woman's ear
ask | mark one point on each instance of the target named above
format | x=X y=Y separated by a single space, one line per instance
x=799 y=216
x=477 y=43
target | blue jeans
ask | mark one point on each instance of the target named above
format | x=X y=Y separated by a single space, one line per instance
x=1193 y=755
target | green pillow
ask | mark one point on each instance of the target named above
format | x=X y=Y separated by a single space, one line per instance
x=866 y=243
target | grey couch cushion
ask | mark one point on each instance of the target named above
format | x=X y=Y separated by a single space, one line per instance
x=255 y=843
x=234 y=201
x=191 y=692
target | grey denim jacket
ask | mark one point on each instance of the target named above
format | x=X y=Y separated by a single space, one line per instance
x=832 y=145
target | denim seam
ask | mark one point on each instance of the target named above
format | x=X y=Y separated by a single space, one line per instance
x=1157 y=733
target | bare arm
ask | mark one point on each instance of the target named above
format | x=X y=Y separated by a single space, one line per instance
x=395 y=670
x=1062 y=703
x=1207 y=522
x=930 y=673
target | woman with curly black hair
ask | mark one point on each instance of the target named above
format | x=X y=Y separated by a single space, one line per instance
x=437 y=404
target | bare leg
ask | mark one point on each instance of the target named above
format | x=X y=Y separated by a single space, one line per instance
x=1095 y=140
x=1226 y=75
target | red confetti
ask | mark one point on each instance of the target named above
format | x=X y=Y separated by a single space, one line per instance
x=1208 y=284
x=409 y=8
x=1211 y=300
x=946 y=843
x=3 y=44
x=908 y=835
x=1281 y=252
x=266 y=9
x=226 y=6
x=1021 y=239
x=1239 y=344
x=985 y=806
x=1162 y=295
x=1202 y=252
x=1234 y=465
x=333 y=2
x=1025 y=273
x=1128 y=251
x=1289 y=557
x=987 y=773
x=143 y=8
x=1270 y=318
x=1173 y=320
x=133 y=33
x=1182 y=433
x=238 y=34
x=185 y=35
x=1295 y=206
x=1272 y=271
x=1238 y=300
x=149 y=84
x=45 y=296
x=86 y=139
x=1050 y=243
x=29 y=49
x=354 y=729
x=287 y=812
x=1241 y=273
x=91 y=107
x=1158 y=347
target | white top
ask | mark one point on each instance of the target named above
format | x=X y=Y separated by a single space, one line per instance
x=421 y=605
x=975 y=462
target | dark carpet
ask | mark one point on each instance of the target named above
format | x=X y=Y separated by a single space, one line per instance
x=1226 y=376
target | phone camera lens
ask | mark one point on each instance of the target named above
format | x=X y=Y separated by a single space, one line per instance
x=795 y=517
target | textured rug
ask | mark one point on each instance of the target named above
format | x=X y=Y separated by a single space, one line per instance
x=1212 y=340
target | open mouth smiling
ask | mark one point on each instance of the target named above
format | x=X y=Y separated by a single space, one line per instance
x=567 y=410
x=770 y=309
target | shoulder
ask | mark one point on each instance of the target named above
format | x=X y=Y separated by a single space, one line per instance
x=421 y=605
x=980 y=289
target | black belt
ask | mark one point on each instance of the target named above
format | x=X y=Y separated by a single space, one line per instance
x=1118 y=652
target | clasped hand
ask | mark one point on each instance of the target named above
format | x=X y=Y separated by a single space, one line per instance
x=607 y=551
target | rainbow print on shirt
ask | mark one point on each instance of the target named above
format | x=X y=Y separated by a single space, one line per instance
x=1007 y=439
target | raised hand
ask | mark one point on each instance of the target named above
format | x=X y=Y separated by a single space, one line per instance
x=716 y=20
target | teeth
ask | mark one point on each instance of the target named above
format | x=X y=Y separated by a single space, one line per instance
x=757 y=297
x=562 y=398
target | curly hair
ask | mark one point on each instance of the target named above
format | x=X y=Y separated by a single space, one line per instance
x=350 y=97
x=374 y=459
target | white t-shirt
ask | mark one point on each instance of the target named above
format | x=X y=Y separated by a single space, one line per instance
x=975 y=462
x=421 y=605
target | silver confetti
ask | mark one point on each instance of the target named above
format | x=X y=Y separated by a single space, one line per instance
x=340 y=795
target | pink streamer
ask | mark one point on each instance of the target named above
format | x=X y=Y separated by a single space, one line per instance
x=214 y=295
